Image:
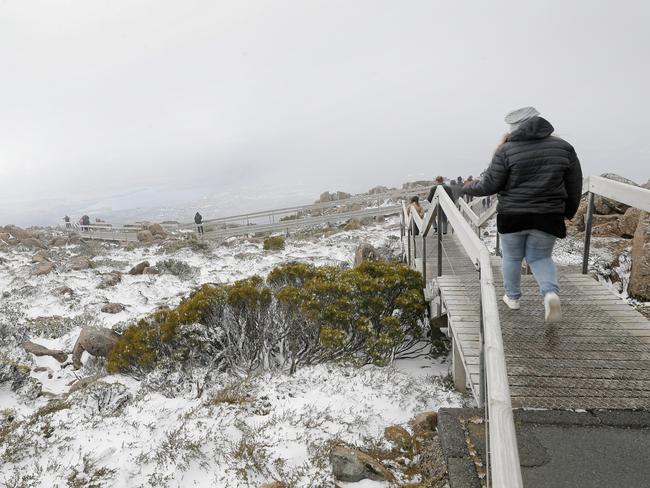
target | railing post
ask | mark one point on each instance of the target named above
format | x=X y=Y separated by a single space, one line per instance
x=439 y=217
x=424 y=259
x=588 y=224
x=408 y=245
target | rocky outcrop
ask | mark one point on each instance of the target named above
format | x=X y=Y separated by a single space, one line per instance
x=39 y=350
x=139 y=268
x=112 y=308
x=157 y=230
x=332 y=197
x=110 y=279
x=95 y=341
x=145 y=236
x=40 y=257
x=628 y=223
x=79 y=263
x=639 y=285
x=352 y=465
x=32 y=243
x=365 y=252
x=150 y=270
x=377 y=190
x=42 y=269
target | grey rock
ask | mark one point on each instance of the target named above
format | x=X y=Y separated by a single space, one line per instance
x=365 y=252
x=112 y=308
x=39 y=350
x=43 y=268
x=138 y=269
x=352 y=465
x=95 y=341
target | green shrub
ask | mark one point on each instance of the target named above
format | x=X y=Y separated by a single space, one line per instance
x=274 y=243
x=301 y=314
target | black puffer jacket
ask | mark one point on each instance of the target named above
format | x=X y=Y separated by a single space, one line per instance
x=533 y=173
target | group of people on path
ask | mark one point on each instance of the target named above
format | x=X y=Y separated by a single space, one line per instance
x=538 y=179
x=84 y=222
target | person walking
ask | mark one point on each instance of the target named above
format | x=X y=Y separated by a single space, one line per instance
x=66 y=219
x=415 y=206
x=198 y=220
x=440 y=181
x=538 y=179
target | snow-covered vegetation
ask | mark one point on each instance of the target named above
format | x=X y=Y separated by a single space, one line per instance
x=182 y=421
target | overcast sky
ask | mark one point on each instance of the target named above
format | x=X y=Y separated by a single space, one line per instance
x=117 y=103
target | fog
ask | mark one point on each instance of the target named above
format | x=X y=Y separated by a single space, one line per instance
x=111 y=105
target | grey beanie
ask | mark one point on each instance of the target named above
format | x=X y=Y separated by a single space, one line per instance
x=519 y=116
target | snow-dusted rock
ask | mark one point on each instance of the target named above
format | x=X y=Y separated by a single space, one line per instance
x=32 y=243
x=353 y=465
x=157 y=230
x=112 y=308
x=150 y=270
x=399 y=437
x=43 y=268
x=40 y=257
x=365 y=252
x=138 y=269
x=110 y=279
x=95 y=341
x=39 y=350
x=145 y=236
x=639 y=286
x=78 y=263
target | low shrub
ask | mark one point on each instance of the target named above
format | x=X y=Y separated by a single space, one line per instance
x=274 y=243
x=299 y=315
x=177 y=268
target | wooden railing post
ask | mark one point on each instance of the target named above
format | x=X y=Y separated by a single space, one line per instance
x=588 y=225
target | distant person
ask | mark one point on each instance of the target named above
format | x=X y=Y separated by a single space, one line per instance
x=469 y=180
x=440 y=181
x=460 y=181
x=198 y=220
x=415 y=207
x=84 y=221
x=66 y=219
x=539 y=182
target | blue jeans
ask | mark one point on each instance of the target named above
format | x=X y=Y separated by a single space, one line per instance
x=537 y=247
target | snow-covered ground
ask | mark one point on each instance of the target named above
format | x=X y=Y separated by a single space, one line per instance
x=174 y=430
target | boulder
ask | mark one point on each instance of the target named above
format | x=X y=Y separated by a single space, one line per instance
x=353 y=465
x=399 y=437
x=150 y=270
x=605 y=225
x=112 y=308
x=78 y=263
x=74 y=238
x=341 y=195
x=377 y=190
x=157 y=230
x=64 y=290
x=628 y=223
x=577 y=224
x=110 y=279
x=145 y=236
x=42 y=269
x=365 y=252
x=95 y=341
x=424 y=424
x=32 y=243
x=17 y=232
x=40 y=257
x=138 y=269
x=59 y=242
x=4 y=236
x=325 y=197
x=38 y=350
x=639 y=285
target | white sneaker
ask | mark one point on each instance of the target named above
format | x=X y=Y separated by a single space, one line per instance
x=511 y=302
x=552 y=307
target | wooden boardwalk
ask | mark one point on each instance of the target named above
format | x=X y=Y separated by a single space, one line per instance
x=596 y=357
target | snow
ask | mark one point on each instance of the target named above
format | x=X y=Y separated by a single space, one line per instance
x=280 y=429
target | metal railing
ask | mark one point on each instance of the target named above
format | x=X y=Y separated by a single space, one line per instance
x=504 y=470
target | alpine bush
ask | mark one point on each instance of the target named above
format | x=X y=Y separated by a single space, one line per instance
x=274 y=243
x=299 y=315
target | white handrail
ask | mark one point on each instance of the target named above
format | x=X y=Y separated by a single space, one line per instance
x=467 y=210
x=634 y=196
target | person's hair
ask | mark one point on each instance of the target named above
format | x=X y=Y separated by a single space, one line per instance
x=415 y=199
x=440 y=179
